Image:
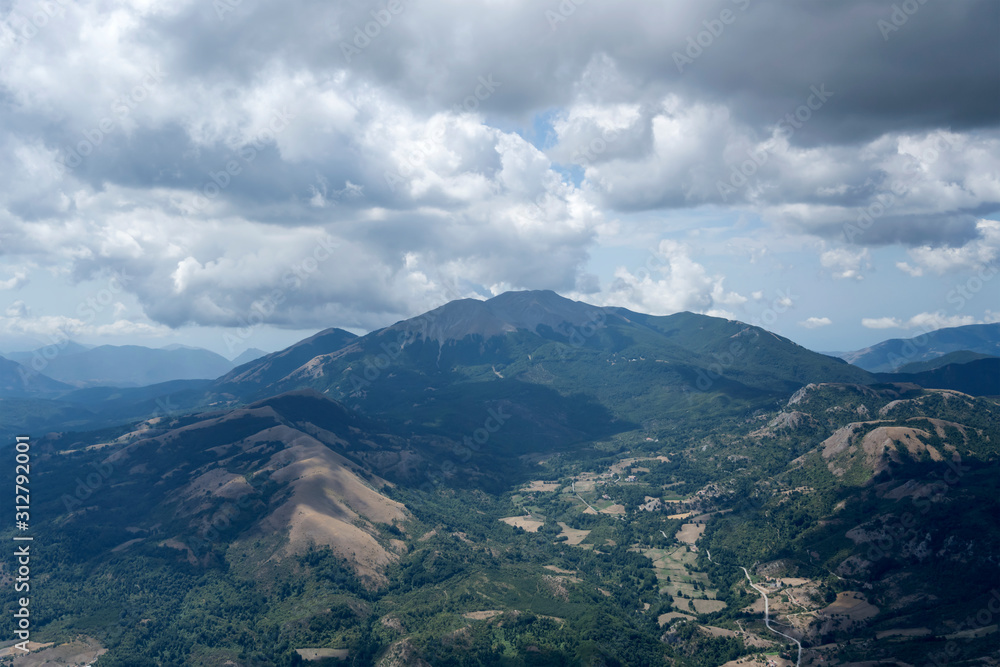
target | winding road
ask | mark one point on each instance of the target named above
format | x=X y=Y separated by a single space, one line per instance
x=596 y=511
x=767 y=617
x=767 y=611
x=582 y=500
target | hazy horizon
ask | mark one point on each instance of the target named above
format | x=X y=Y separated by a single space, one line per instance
x=171 y=180
x=294 y=336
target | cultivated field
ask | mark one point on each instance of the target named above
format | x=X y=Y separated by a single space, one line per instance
x=541 y=487
x=80 y=652
x=311 y=654
x=573 y=535
x=690 y=532
x=524 y=522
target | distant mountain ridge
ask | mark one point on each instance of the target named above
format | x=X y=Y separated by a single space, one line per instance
x=565 y=367
x=980 y=377
x=248 y=355
x=271 y=368
x=891 y=355
x=20 y=381
x=435 y=470
x=568 y=367
x=506 y=313
x=123 y=365
x=960 y=357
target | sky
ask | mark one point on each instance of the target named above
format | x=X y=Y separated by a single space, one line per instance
x=238 y=173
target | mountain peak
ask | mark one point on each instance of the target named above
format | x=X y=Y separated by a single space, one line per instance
x=890 y=355
x=502 y=314
x=270 y=368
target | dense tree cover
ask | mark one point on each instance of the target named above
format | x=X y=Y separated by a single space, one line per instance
x=149 y=605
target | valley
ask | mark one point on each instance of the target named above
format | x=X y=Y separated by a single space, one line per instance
x=570 y=508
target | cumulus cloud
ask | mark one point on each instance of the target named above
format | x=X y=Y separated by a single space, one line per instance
x=18 y=309
x=914 y=271
x=19 y=279
x=845 y=263
x=448 y=190
x=929 y=321
x=670 y=282
x=18 y=323
x=881 y=323
x=816 y=322
x=972 y=256
x=910 y=189
x=252 y=165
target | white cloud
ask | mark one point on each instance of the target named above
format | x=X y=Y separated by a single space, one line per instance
x=938 y=320
x=464 y=204
x=18 y=309
x=816 y=322
x=846 y=264
x=881 y=323
x=670 y=282
x=19 y=279
x=59 y=327
x=909 y=188
x=671 y=155
x=467 y=196
x=929 y=321
x=971 y=256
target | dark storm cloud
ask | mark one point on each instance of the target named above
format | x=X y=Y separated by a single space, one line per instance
x=655 y=104
x=894 y=65
x=939 y=67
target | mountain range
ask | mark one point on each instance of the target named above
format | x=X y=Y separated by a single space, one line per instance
x=529 y=475
x=567 y=369
x=122 y=365
x=575 y=368
x=891 y=355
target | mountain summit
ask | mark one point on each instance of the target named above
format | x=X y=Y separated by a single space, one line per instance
x=564 y=367
x=890 y=355
x=503 y=314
